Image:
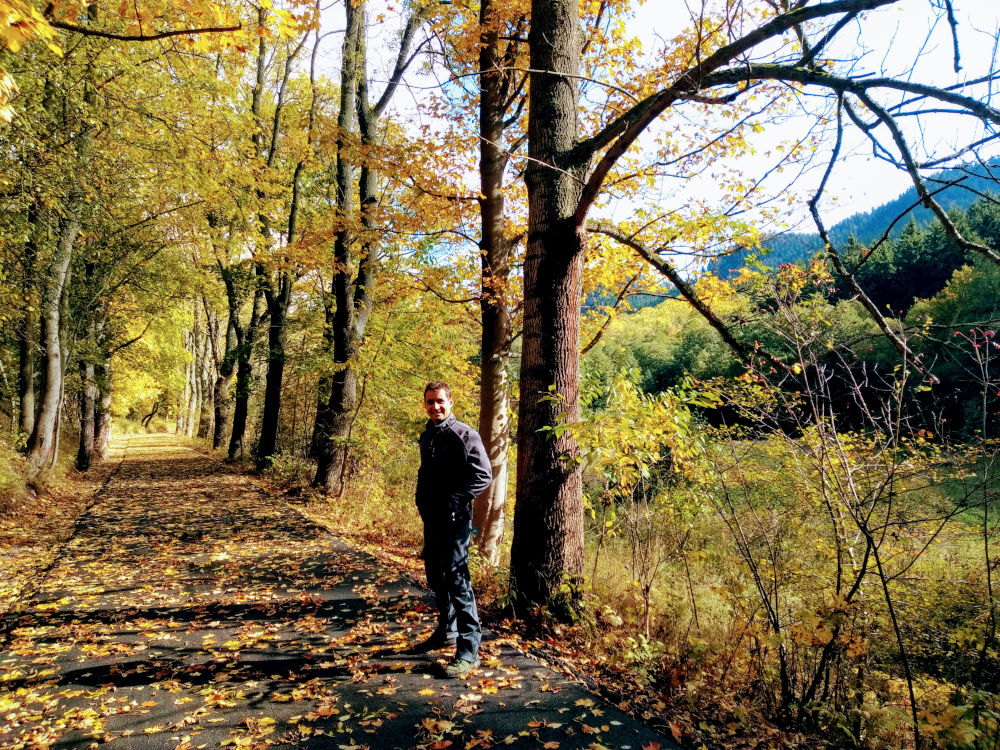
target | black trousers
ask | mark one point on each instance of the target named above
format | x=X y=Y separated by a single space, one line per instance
x=446 y=561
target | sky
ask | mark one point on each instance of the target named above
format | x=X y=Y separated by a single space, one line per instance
x=887 y=42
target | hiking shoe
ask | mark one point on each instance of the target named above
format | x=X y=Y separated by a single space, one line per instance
x=460 y=668
x=433 y=643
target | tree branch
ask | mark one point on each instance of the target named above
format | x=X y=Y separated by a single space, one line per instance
x=607 y=321
x=133 y=340
x=687 y=290
x=897 y=342
x=622 y=132
x=403 y=60
x=855 y=86
x=86 y=31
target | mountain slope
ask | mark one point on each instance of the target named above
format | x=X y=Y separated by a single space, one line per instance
x=953 y=188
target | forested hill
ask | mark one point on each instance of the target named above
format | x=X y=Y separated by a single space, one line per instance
x=963 y=187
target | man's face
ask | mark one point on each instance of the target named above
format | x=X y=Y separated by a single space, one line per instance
x=438 y=405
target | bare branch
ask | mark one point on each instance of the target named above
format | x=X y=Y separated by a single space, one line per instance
x=918 y=182
x=954 y=33
x=621 y=133
x=831 y=251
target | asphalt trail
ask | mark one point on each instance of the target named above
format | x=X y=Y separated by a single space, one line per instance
x=190 y=610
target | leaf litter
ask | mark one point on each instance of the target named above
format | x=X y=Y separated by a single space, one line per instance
x=191 y=608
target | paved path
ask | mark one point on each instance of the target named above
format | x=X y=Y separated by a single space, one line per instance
x=190 y=610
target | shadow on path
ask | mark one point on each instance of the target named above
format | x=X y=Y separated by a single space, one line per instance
x=191 y=610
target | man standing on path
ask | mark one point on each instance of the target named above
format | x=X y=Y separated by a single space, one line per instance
x=454 y=469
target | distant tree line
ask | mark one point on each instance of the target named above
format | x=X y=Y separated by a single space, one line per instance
x=946 y=304
x=954 y=188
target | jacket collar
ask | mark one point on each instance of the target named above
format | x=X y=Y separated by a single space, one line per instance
x=443 y=424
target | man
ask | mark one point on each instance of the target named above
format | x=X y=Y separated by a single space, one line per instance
x=454 y=469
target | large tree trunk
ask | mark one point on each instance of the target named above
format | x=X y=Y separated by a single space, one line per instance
x=277 y=304
x=494 y=382
x=244 y=379
x=205 y=381
x=88 y=380
x=279 y=298
x=548 y=521
x=191 y=408
x=64 y=345
x=332 y=450
x=88 y=401
x=323 y=422
x=220 y=397
x=354 y=296
x=42 y=443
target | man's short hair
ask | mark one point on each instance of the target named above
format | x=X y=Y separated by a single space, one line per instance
x=437 y=385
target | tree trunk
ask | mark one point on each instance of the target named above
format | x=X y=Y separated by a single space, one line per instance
x=223 y=407
x=353 y=297
x=332 y=451
x=64 y=347
x=279 y=296
x=244 y=379
x=88 y=401
x=102 y=409
x=205 y=381
x=194 y=405
x=88 y=381
x=330 y=466
x=220 y=397
x=323 y=422
x=27 y=340
x=277 y=304
x=494 y=383
x=42 y=443
x=547 y=546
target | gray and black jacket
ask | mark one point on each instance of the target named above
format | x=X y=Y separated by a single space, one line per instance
x=454 y=468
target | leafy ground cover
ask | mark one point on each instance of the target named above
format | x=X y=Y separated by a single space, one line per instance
x=186 y=607
x=686 y=696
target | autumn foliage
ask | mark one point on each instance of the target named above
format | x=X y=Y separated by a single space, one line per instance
x=764 y=504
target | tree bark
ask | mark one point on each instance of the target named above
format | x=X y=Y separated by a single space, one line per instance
x=88 y=381
x=548 y=521
x=494 y=381
x=244 y=379
x=88 y=401
x=277 y=296
x=353 y=297
x=329 y=433
x=323 y=421
x=102 y=409
x=220 y=396
x=64 y=347
x=277 y=305
x=205 y=381
x=194 y=389
x=42 y=443
x=27 y=340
